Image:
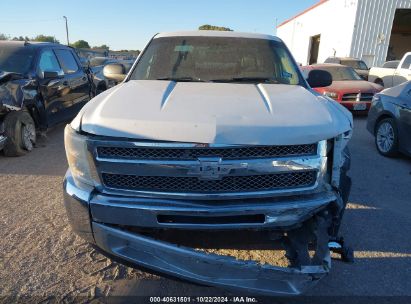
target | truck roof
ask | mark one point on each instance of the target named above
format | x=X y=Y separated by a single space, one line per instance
x=319 y=65
x=29 y=43
x=345 y=58
x=217 y=34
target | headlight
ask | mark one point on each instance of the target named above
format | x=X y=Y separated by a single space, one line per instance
x=376 y=98
x=331 y=95
x=77 y=156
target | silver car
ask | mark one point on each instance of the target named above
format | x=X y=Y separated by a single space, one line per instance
x=389 y=120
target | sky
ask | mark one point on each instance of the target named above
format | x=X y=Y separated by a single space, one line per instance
x=127 y=24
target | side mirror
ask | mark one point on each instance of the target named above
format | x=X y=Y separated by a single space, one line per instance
x=319 y=78
x=115 y=71
x=50 y=74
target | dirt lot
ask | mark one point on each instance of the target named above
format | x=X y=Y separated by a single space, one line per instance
x=40 y=257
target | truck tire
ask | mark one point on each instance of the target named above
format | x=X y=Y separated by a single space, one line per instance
x=100 y=89
x=20 y=131
x=386 y=137
x=379 y=81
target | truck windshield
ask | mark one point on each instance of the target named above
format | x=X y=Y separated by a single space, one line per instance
x=217 y=59
x=97 y=61
x=355 y=64
x=15 y=59
x=340 y=73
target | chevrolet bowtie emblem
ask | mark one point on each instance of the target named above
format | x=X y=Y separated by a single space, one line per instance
x=214 y=169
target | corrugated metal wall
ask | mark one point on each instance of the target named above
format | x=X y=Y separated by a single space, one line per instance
x=372 y=31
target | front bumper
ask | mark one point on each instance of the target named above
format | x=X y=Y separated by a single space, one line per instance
x=204 y=268
x=101 y=219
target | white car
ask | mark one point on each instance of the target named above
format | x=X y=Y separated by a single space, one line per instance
x=212 y=137
x=391 y=74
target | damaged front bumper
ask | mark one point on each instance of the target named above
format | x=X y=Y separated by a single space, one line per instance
x=104 y=221
x=205 y=268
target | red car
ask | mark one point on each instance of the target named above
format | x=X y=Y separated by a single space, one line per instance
x=348 y=88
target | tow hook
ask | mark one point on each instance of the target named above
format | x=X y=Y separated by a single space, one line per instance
x=337 y=245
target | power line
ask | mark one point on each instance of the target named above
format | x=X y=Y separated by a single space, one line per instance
x=27 y=21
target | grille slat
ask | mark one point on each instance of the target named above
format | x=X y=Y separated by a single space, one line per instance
x=247 y=183
x=353 y=97
x=249 y=152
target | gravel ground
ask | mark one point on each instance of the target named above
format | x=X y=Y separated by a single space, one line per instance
x=41 y=258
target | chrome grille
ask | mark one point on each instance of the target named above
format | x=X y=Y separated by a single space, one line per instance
x=365 y=97
x=227 y=184
x=241 y=152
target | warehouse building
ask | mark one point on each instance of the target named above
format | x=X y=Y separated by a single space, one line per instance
x=373 y=30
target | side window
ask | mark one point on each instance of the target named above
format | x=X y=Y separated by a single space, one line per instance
x=48 y=62
x=407 y=63
x=67 y=61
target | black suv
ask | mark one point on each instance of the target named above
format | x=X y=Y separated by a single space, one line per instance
x=41 y=85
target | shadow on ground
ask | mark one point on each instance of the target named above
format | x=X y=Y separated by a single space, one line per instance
x=47 y=158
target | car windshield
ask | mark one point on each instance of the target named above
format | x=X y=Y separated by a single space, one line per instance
x=391 y=64
x=340 y=73
x=219 y=59
x=16 y=59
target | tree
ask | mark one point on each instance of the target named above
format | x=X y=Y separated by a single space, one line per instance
x=3 y=37
x=44 y=38
x=104 y=46
x=21 y=38
x=81 y=44
x=208 y=27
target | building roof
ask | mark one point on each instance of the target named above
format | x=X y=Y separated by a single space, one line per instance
x=217 y=34
x=303 y=12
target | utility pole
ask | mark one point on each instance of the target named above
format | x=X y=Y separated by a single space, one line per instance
x=68 y=42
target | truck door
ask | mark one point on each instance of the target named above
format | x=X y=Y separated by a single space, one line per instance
x=403 y=72
x=53 y=86
x=77 y=81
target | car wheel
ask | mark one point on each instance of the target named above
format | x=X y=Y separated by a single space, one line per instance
x=100 y=89
x=380 y=82
x=20 y=132
x=386 y=137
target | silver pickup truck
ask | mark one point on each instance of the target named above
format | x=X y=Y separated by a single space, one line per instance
x=213 y=140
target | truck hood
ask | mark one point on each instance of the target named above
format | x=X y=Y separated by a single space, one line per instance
x=12 y=86
x=220 y=113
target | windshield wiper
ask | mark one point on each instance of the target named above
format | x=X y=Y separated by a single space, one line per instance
x=247 y=79
x=182 y=79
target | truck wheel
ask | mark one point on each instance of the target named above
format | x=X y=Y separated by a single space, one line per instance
x=20 y=132
x=379 y=81
x=100 y=89
x=386 y=137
